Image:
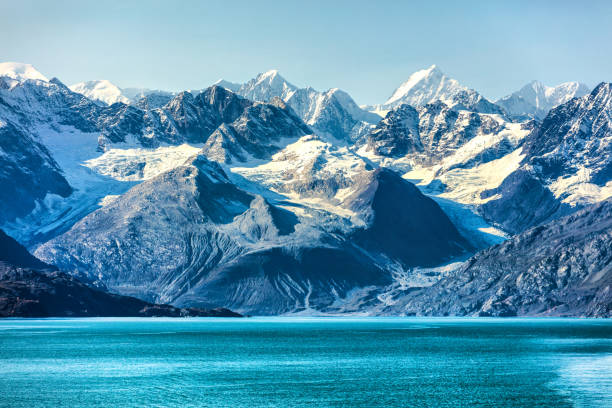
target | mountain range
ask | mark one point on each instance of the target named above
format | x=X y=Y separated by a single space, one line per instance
x=267 y=198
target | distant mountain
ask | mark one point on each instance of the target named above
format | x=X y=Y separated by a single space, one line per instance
x=266 y=86
x=20 y=72
x=31 y=288
x=567 y=163
x=232 y=86
x=563 y=268
x=431 y=85
x=332 y=113
x=535 y=100
x=101 y=90
x=107 y=93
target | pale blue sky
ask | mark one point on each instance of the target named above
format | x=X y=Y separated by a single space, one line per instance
x=364 y=47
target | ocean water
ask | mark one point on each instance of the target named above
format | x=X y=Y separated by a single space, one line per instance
x=306 y=362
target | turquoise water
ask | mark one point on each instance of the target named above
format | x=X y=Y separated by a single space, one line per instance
x=310 y=362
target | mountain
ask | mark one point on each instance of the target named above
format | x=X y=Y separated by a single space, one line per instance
x=20 y=72
x=567 y=163
x=100 y=90
x=535 y=100
x=514 y=174
x=65 y=154
x=431 y=85
x=300 y=203
x=563 y=268
x=232 y=86
x=332 y=113
x=435 y=139
x=430 y=132
x=31 y=288
x=250 y=253
x=259 y=127
x=266 y=86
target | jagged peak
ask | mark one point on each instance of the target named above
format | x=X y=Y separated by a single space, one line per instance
x=272 y=73
x=271 y=77
x=424 y=78
x=602 y=89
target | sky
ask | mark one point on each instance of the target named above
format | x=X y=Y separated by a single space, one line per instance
x=366 y=48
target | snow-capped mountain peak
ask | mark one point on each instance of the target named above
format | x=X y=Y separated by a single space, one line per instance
x=425 y=86
x=266 y=86
x=431 y=85
x=232 y=86
x=535 y=99
x=20 y=71
x=100 y=90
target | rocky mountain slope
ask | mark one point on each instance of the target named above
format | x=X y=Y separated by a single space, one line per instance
x=563 y=268
x=31 y=288
x=535 y=100
x=238 y=249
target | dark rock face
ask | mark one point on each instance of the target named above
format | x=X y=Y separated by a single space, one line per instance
x=403 y=223
x=397 y=134
x=428 y=132
x=563 y=268
x=27 y=173
x=230 y=126
x=12 y=253
x=533 y=203
x=32 y=293
x=32 y=288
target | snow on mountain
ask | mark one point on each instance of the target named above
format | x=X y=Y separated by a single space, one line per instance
x=536 y=100
x=451 y=155
x=100 y=90
x=311 y=173
x=232 y=86
x=108 y=93
x=567 y=164
x=20 y=72
x=88 y=153
x=310 y=204
x=430 y=85
x=266 y=86
x=332 y=113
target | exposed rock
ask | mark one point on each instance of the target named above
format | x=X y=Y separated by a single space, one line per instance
x=563 y=268
x=31 y=288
